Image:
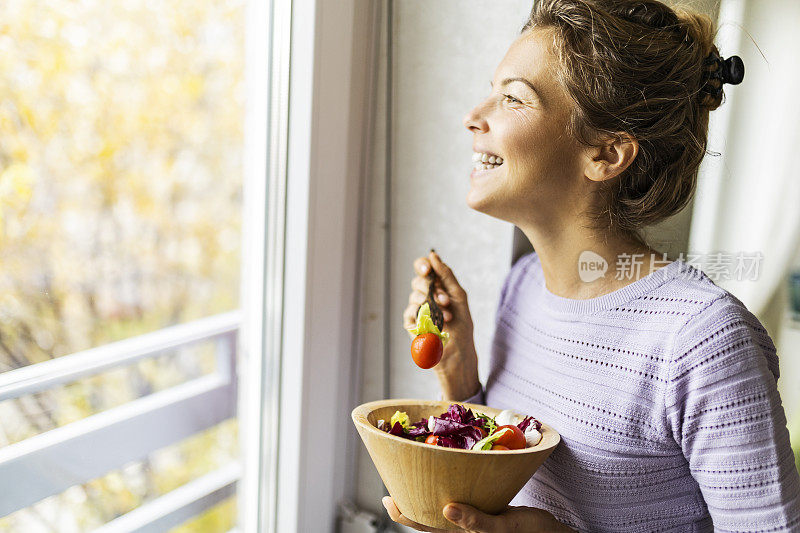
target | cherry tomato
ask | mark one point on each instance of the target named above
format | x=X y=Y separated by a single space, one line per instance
x=432 y=439
x=514 y=439
x=426 y=350
x=484 y=433
x=499 y=447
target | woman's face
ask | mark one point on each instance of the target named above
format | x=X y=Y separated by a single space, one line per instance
x=524 y=121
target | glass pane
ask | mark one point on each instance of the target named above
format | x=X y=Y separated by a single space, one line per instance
x=218 y=518
x=120 y=169
x=31 y=414
x=121 y=140
x=88 y=506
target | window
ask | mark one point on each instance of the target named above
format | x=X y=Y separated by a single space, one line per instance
x=121 y=164
x=141 y=143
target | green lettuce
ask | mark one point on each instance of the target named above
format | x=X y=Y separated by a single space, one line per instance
x=489 y=423
x=486 y=443
x=425 y=325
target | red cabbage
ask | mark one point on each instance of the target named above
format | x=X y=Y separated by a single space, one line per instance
x=442 y=426
x=397 y=429
x=420 y=429
x=459 y=413
x=414 y=432
x=464 y=438
x=528 y=420
x=453 y=434
x=449 y=442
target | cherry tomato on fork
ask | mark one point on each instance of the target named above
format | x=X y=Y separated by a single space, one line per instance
x=426 y=350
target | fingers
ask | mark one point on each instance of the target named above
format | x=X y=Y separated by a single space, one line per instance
x=422 y=266
x=410 y=313
x=442 y=298
x=397 y=516
x=447 y=315
x=449 y=281
x=410 y=316
x=472 y=519
x=421 y=285
x=446 y=291
x=416 y=298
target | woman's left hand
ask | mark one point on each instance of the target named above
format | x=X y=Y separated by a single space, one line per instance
x=519 y=519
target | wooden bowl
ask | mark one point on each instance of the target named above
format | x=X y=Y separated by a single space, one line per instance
x=422 y=478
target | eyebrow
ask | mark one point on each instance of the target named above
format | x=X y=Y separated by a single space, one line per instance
x=509 y=80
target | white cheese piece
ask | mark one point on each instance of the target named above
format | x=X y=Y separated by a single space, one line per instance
x=507 y=417
x=532 y=436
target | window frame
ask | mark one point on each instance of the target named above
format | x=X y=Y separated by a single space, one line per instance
x=303 y=240
x=257 y=384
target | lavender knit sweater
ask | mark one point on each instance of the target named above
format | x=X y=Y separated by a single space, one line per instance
x=664 y=393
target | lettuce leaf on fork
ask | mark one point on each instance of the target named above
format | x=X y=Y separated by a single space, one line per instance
x=425 y=325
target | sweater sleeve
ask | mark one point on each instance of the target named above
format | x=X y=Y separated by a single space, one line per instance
x=725 y=413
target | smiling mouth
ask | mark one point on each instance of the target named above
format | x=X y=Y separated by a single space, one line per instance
x=484 y=161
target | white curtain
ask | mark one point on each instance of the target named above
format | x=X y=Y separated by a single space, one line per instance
x=748 y=198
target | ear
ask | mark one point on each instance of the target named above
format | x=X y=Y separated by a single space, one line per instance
x=611 y=158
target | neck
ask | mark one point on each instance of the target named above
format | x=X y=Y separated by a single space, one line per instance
x=560 y=250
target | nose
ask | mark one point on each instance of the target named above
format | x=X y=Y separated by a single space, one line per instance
x=474 y=121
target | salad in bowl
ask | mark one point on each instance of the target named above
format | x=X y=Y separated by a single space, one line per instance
x=459 y=427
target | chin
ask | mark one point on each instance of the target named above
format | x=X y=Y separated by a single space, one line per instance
x=491 y=192
x=488 y=205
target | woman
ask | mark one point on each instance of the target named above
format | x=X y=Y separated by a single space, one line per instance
x=661 y=384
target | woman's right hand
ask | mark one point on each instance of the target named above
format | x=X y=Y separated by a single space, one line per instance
x=458 y=369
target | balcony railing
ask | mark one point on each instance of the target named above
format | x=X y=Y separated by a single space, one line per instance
x=53 y=461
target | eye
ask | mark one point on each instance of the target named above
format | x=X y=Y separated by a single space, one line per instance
x=510 y=98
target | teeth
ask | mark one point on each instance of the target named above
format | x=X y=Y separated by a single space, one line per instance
x=486 y=159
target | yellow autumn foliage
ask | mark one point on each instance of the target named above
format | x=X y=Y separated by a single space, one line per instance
x=120 y=213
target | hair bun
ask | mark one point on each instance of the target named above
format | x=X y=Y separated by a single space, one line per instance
x=649 y=13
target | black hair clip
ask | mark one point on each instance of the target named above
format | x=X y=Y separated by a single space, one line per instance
x=729 y=70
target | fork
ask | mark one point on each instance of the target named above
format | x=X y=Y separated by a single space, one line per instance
x=436 y=311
